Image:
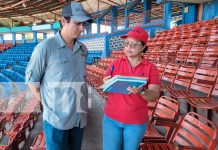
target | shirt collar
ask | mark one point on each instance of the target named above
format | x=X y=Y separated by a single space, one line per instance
x=77 y=45
x=59 y=39
x=61 y=42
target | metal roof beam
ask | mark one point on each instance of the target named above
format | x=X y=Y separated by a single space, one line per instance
x=117 y=4
x=13 y=5
x=28 y=15
x=134 y=3
x=105 y=12
x=37 y=7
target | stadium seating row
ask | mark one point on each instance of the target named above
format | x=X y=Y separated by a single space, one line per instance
x=17 y=119
x=4 y=46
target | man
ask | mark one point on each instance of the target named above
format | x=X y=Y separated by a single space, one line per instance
x=56 y=76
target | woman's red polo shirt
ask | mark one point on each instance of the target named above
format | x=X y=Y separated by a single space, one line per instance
x=130 y=108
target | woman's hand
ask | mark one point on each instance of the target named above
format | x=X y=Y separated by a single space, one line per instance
x=135 y=90
x=105 y=79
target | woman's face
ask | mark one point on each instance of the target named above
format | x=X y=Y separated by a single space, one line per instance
x=133 y=47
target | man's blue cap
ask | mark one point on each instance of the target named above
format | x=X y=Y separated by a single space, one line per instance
x=76 y=11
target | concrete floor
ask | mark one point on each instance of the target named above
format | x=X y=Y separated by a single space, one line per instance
x=92 y=139
x=93 y=133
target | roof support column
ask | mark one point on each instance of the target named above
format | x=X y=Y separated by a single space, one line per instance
x=1 y=38
x=14 y=38
x=101 y=17
x=98 y=21
x=167 y=14
x=35 y=37
x=89 y=29
x=44 y=35
x=126 y=18
x=147 y=10
x=189 y=13
x=114 y=22
x=106 y=52
x=23 y=38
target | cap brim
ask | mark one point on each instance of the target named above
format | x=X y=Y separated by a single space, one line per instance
x=132 y=36
x=82 y=19
x=123 y=36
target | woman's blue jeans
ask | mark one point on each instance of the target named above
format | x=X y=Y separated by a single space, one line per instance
x=62 y=139
x=120 y=136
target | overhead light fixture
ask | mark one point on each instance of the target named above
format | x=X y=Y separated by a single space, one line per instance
x=24 y=5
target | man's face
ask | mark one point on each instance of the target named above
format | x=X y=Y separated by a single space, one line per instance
x=73 y=28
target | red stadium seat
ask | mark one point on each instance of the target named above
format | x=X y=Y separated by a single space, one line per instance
x=203 y=82
x=39 y=142
x=166 y=109
x=194 y=132
x=208 y=103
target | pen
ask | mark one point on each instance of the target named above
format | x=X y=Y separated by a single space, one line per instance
x=112 y=70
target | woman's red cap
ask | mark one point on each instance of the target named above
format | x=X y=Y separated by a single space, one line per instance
x=137 y=33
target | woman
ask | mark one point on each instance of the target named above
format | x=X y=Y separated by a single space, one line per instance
x=125 y=118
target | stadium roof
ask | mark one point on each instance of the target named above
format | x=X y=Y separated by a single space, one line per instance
x=29 y=12
x=32 y=12
x=35 y=12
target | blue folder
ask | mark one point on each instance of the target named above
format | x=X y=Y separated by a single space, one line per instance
x=119 y=84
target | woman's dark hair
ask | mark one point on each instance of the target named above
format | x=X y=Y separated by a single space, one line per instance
x=66 y=18
x=145 y=49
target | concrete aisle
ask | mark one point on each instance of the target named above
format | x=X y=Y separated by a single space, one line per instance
x=93 y=133
x=92 y=139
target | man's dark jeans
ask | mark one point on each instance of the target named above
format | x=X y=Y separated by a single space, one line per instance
x=62 y=139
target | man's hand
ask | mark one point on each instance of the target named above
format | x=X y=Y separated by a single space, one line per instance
x=35 y=90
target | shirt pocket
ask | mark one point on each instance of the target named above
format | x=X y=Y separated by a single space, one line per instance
x=60 y=70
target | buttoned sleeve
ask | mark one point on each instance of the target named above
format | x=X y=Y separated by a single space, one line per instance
x=36 y=66
x=154 y=76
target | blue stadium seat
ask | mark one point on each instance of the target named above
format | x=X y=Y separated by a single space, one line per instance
x=19 y=69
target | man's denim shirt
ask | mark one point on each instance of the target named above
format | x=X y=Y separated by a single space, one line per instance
x=60 y=73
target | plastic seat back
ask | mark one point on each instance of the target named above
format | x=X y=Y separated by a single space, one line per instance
x=195 y=55
x=170 y=72
x=161 y=67
x=184 y=76
x=204 y=80
x=195 y=130
x=215 y=89
x=166 y=107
